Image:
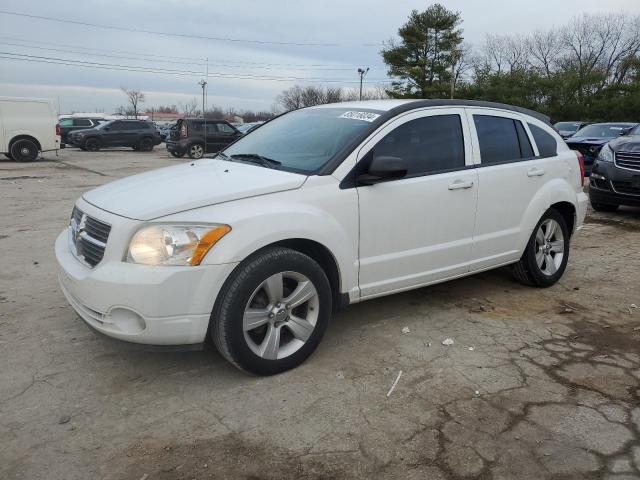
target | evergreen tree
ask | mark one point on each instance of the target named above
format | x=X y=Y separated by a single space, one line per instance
x=423 y=60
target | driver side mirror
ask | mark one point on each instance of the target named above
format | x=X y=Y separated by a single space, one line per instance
x=383 y=169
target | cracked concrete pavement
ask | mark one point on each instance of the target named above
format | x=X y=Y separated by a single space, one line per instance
x=539 y=384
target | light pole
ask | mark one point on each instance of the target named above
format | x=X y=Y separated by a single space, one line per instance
x=362 y=74
x=203 y=84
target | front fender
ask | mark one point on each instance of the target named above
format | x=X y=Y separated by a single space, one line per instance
x=261 y=221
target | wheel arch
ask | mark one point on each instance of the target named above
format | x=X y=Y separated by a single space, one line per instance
x=25 y=137
x=557 y=194
x=323 y=256
x=568 y=212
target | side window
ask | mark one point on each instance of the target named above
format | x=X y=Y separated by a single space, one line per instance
x=428 y=145
x=526 y=150
x=117 y=126
x=498 y=139
x=212 y=128
x=82 y=122
x=66 y=122
x=224 y=128
x=547 y=144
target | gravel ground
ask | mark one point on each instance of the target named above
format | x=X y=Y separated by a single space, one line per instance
x=538 y=384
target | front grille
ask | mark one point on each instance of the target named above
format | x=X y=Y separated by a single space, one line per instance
x=629 y=160
x=625 y=187
x=88 y=237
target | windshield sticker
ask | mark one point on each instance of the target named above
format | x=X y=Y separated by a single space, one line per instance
x=365 y=116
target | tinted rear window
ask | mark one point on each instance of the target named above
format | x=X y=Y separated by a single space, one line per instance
x=547 y=144
x=498 y=139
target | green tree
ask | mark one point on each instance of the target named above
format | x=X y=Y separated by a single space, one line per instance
x=423 y=59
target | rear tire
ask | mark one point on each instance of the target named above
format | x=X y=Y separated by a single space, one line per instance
x=604 y=207
x=8 y=155
x=92 y=145
x=24 y=150
x=546 y=255
x=146 y=144
x=272 y=311
x=196 y=151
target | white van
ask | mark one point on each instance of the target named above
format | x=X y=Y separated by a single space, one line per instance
x=27 y=126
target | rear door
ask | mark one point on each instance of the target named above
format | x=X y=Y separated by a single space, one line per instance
x=418 y=229
x=510 y=173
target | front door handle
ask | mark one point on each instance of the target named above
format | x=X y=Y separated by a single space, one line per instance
x=460 y=184
x=535 y=172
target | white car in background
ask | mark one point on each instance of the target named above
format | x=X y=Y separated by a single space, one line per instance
x=317 y=209
x=27 y=126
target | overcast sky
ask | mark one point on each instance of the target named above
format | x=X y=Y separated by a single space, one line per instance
x=349 y=33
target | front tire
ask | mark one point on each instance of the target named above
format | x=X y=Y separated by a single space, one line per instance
x=196 y=151
x=272 y=311
x=92 y=145
x=604 y=207
x=24 y=151
x=545 y=258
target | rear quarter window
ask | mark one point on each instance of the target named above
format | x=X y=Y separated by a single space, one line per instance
x=547 y=144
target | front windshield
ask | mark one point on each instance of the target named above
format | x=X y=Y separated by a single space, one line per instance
x=567 y=126
x=304 y=140
x=602 y=130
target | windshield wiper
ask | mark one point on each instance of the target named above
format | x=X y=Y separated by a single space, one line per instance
x=257 y=159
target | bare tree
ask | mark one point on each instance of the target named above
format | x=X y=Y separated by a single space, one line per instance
x=298 y=97
x=135 y=97
x=545 y=50
x=190 y=109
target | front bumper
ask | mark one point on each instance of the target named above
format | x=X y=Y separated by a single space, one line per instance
x=612 y=185
x=139 y=303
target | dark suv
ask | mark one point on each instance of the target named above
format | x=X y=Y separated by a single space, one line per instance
x=68 y=125
x=590 y=139
x=137 y=134
x=615 y=178
x=187 y=137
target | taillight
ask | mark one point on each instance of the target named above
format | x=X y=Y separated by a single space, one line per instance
x=57 y=129
x=581 y=162
x=184 y=132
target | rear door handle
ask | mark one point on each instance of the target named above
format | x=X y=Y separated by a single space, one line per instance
x=460 y=184
x=535 y=172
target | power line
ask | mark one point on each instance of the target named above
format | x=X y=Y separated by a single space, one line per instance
x=121 y=57
x=181 y=35
x=154 y=70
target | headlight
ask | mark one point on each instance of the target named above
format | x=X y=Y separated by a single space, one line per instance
x=606 y=154
x=174 y=244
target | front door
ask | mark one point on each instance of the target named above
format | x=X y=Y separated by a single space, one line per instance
x=418 y=229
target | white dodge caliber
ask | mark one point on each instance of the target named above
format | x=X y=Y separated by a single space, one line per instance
x=318 y=208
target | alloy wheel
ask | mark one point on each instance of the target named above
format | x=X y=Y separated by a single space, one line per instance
x=196 y=151
x=281 y=315
x=549 y=246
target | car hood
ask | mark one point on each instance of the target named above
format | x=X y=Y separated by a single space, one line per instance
x=191 y=185
x=627 y=144
x=588 y=140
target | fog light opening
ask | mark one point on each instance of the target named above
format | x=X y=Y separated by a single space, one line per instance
x=127 y=320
